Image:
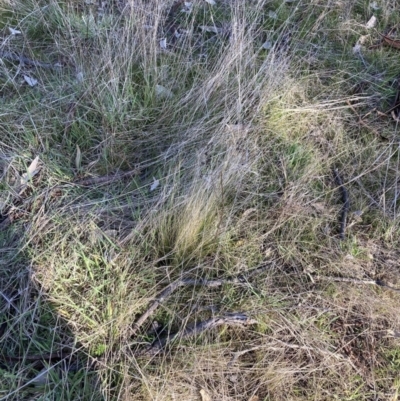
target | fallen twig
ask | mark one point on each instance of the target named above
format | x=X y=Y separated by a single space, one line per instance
x=231 y=319
x=271 y=347
x=361 y=120
x=378 y=283
x=240 y=279
x=25 y=60
x=105 y=179
x=236 y=355
x=346 y=203
x=169 y=290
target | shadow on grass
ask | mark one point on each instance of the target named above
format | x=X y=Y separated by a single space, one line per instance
x=39 y=356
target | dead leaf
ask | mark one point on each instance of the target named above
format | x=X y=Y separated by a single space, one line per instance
x=163 y=93
x=268 y=252
x=30 y=81
x=391 y=42
x=204 y=395
x=14 y=31
x=111 y=233
x=248 y=212
x=374 y=5
x=371 y=23
x=41 y=379
x=79 y=76
x=254 y=398
x=212 y=2
x=357 y=48
x=31 y=171
x=272 y=14
x=237 y=127
x=267 y=45
x=213 y=29
x=163 y=43
x=78 y=158
x=187 y=7
x=154 y=185
x=319 y=207
x=393 y=333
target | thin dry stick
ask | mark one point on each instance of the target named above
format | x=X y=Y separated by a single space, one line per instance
x=240 y=279
x=231 y=319
x=24 y=60
x=361 y=121
x=105 y=179
x=269 y=346
x=379 y=283
x=236 y=355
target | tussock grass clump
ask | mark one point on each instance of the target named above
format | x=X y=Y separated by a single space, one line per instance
x=179 y=236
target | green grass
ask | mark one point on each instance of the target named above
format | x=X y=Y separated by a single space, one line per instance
x=233 y=147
